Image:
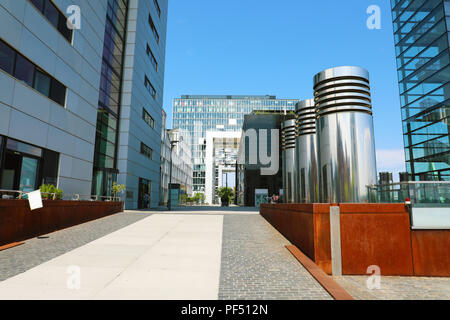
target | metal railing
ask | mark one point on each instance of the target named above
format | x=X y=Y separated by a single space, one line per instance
x=418 y=192
x=17 y=194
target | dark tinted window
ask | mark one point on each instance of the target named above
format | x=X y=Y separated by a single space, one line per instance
x=55 y=16
x=42 y=82
x=38 y=4
x=58 y=92
x=24 y=70
x=158 y=9
x=18 y=146
x=148 y=119
x=62 y=27
x=51 y=13
x=146 y=151
x=50 y=167
x=153 y=27
x=32 y=75
x=7 y=56
x=152 y=58
x=150 y=87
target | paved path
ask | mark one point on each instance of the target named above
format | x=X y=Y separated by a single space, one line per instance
x=190 y=253
x=39 y=250
x=256 y=265
x=160 y=257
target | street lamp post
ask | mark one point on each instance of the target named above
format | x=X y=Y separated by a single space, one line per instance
x=173 y=142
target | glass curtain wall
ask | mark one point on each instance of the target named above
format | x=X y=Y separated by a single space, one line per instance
x=105 y=156
x=422 y=49
x=199 y=114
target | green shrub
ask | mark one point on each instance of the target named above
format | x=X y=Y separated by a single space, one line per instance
x=50 y=192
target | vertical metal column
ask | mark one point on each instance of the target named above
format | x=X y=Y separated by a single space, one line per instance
x=288 y=136
x=307 y=184
x=346 y=148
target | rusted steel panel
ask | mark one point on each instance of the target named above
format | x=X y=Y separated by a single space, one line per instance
x=381 y=239
x=431 y=251
x=322 y=239
x=18 y=222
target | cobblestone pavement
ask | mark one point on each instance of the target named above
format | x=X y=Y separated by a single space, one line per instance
x=39 y=250
x=397 y=288
x=256 y=265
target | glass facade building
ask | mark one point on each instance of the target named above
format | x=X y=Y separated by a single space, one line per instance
x=200 y=114
x=105 y=155
x=421 y=34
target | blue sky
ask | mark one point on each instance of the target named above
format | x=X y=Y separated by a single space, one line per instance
x=276 y=47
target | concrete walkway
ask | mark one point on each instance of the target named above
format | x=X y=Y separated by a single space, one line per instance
x=164 y=256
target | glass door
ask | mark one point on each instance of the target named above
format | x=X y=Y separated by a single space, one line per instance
x=28 y=175
x=144 y=194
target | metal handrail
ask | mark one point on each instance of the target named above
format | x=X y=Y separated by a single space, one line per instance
x=73 y=196
x=408 y=183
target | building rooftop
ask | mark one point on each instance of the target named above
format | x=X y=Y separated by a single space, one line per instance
x=266 y=97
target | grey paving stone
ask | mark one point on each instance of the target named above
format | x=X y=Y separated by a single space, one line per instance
x=398 y=288
x=257 y=266
x=39 y=250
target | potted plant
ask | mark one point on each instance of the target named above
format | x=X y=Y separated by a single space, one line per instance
x=225 y=194
x=50 y=192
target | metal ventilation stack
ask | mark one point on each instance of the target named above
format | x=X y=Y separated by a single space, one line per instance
x=346 y=148
x=288 y=137
x=306 y=152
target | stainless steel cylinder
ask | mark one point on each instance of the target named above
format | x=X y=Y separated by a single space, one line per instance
x=307 y=182
x=346 y=147
x=288 y=136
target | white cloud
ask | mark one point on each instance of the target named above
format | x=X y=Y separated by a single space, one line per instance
x=391 y=160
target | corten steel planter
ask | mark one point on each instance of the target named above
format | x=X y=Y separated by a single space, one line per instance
x=18 y=222
x=431 y=251
x=307 y=226
x=371 y=234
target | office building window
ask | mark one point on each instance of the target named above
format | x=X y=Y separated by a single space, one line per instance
x=27 y=72
x=54 y=16
x=148 y=118
x=25 y=167
x=150 y=87
x=42 y=82
x=146 y=151
x=152 y=58
x=158 y=9
x=7 y=58
x=58 y=92
x=153 y=27
x=24 y=70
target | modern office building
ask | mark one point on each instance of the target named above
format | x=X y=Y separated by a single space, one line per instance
x=81 y=108
x=140 y=123
x=164 y=162
x=49 y=80
x=182 y=167
x=249 y=180
x=178 y=155
x=201 y=114
x=421 y=34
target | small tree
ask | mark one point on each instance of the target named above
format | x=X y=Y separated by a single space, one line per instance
x=117 y=188
x=226 y=195
x=199 y=198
